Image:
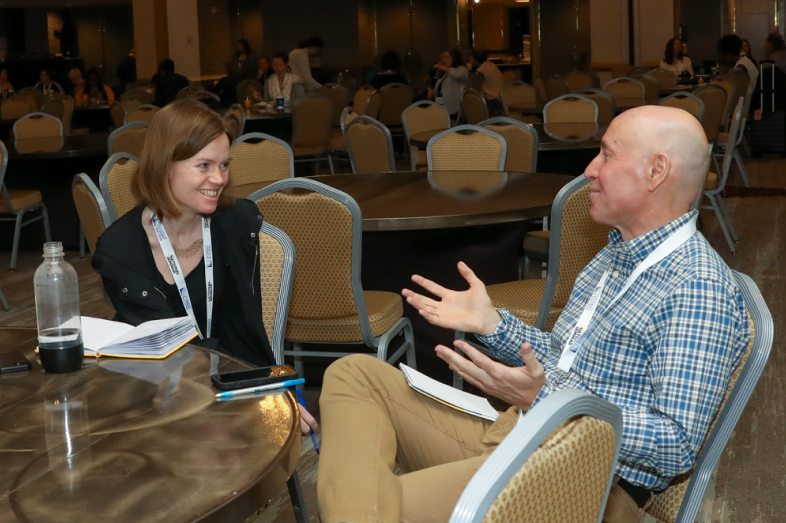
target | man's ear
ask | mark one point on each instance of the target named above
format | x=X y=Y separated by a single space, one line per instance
x=659 y=171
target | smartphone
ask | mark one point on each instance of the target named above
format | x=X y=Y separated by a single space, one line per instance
x=13 y=362
x=250 y=378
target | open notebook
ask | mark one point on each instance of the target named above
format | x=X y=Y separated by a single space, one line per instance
x=454 y=398
x=155 y=339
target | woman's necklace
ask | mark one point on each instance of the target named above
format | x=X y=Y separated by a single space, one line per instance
x=190 y=250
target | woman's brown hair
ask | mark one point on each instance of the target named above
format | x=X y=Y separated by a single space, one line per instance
x=178 y=131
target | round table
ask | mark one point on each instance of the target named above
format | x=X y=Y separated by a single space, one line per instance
x=97 y=118
x=275 y=124
x=138 y=440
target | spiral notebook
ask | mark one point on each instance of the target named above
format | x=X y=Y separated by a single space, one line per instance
x=154 y=339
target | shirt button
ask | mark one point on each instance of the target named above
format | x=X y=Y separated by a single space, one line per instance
x=125 y=290
x=615 y=274
x=144 y=293
x=253 y=235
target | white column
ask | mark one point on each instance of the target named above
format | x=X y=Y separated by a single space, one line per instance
x=183 y=24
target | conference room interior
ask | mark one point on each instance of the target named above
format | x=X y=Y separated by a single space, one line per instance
x=415 y=220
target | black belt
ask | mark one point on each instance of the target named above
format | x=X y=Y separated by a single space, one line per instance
x=639 y=494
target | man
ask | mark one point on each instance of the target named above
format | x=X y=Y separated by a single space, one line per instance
x=168 y=83
x=775 y=50
x=729 y=48
x=299 y=61
x=663 y=352
x=265 y=69
x=47 y=85
x=126 y=70
x=492 y=76
x=68 y=35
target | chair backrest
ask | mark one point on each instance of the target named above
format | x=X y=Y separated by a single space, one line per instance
x=311 y=119
x=245 y=89
x=621 y=70
x=741 y=81
x=68 y=113
x=129 y=138
x=605 y=102
x=395 y=98
x=473 y=105
x=232 y=125
x=185 y=91
x=325 y=226
x=566 y=452
x=16 y=107
x=575 y=239
x=118 y=114
x=345 y=80
x=639 y=71
x=556 y=87
x=627 y=92
x=714 y=98
x=651 y=88
x=424 y=116
x=571 y=108
x=339 y=97
x=36 y=95
x=138 y=93
x=142 y=113
x=686 y=101
x=37 y=125
x=276 y=275
x=130 y=104
x=370 y=146
x=540 y=91
x=681 y=500
x=518 y=93
x=91 y=208
x=728 y=155
x=115 y=183
x=466 y=148
x=475 y=80
x=731 y=99
x=347 y=115
x=239 y=113
x=666 y=79
x=579 y=80
x=201 y=95
x=362 y=99
x=521 y=140
x=258 y=157
x=54 y=107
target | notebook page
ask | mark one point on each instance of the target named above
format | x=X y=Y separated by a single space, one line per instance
x=459 y=399
x=154 y=329
x=96 y=333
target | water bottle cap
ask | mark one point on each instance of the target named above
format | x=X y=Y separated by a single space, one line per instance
x=53 y=249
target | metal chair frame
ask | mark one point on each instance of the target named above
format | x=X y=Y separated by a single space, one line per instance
x=376 y=123
x=31 y=115
x=569 y=96
x=316 y=158
x=262 y=136
x=601 y=92
x=102 y=208
x=119 y=130
x=741 y=135
x=689 y=96
x=623 y=79
x=407 y=133
x=103 y=180
x=478 y=94
x=512 y=121
x=465 y=127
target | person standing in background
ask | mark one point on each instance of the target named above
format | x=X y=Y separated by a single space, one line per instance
x=447 y=91
x=245 y=60
x=299 y=61
x=746 y=51
x=126 y=70
x=775 y=50
x=492 y=76
x=68 y=35
x=674 y=60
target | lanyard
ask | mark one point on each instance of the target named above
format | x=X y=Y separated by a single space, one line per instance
x=671 y=244
x=177 y=272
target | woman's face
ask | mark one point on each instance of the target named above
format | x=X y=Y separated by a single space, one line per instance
x=677 y=46
x=279 y=66
x=240 y=48
x=446 y=60
x=197 y=182
x=746 y=48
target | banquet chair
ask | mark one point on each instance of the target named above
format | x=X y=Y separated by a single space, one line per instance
x=540 y=92
x=185 y=91
x=651 y=88
x=666 y=79
x=339 y=97
x=473 y=106
x=367 y=102
x=239 y=113
x=558 y=466
x=37 y=125
x=687 y=102
x=627 y=92
x=680 y=502
x=115 y=183
x=68 y=114
x=639 y=71
x=91 y=208
x=17 y=203
x=129 y=138
x=129 y=105
x=723 y=137
x=521 y=140
x=519 y=93
x=714 y=98
x=337 y=141
x=370 y=146
x=345 y=80
x=16 y=107
x=741 y=81
x=118 y=114
x=395 y=98
x=605 y=102
x=142 y=94
x=420 y=117
x=245 y=89
x=571 y=108
x=732 y=95
x=579 y=80
x=259 y=159
x=556 y=87
x=232 y=125
x=328 y=302
x=475 y=80
x=621 y=70
x=142 y=113
x=54 y=107
x=466 y=148
x=311 y=119
x=34 y=94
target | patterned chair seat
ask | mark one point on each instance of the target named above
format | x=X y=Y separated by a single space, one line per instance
x=20 y=200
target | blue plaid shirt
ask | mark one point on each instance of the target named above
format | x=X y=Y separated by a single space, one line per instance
x=664 y=353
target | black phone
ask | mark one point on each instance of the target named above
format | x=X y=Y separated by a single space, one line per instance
x=250 y=378
x=13 y=362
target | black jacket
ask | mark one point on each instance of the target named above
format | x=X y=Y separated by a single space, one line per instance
x=125 y=262
x=167 y=87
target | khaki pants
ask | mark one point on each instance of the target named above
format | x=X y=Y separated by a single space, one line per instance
x=371 y=419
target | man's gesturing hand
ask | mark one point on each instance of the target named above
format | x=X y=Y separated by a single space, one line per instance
x=518 y=386
x=466 y=311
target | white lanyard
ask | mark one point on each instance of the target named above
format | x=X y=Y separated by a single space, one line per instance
x=671 y=244
x=177 y=272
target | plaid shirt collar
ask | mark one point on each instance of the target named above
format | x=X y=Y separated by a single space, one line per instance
x=640 y=247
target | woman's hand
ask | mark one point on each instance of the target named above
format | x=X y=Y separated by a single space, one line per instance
x=307 y=422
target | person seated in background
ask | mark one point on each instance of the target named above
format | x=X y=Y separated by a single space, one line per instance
x=265 y=69
x=453 y=78
x=75 y=77
x=47 y=85
x=94 y=92
x=662 y=348
x=492 y=76
x=775 y=50
x=6 y=89
x=389 y=65
x=674 y=60
x=729 y=48
x=283 y=84
x=153 y=260
x=746 y=51
x=300 y=64
x=168 y=83
x=126 y=70
x=226 y=86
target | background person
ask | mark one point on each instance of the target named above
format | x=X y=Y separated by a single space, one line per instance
x=746 y=51
x=264 y=69
x=729 y=48
x=283 y=83
x=46 y=84
x=299 y=61
x=674 y=60
x=454 y=76
x=492 y=76
x=94 y=88
x=68 y=35
x=6 y=89
x=775 y=50
x=245 y=61
x=168 y=83
x=126 y=70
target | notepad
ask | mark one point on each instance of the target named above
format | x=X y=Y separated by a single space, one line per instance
x=454 y=398
x=154 y=339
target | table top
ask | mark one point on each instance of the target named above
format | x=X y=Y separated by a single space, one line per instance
x=551 y=137
x=264 y=115
x=58 y=147
x=91 y=107
x=134 y=440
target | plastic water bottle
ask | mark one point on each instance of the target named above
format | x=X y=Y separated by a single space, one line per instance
x=57 y=312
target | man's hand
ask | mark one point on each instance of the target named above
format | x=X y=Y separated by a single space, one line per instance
x=518 y=386
x=466 y=311
x=307 y=422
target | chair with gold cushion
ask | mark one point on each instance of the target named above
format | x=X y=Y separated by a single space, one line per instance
x=520 y=93
x=91 y=208
x=367 y=101
x=540 y=91
x=239 y=113
x=556 y=87
x=68 y=114
x=37 y=125
x=142 y=113
x=571 y=108
x=557 y=466
x=339 y=97
x=16 y=107
x=311 y=118
x=370 y=146
x=115 y=183
x=651 y=88
x=466 y=148
x=36 y=95
x=666 y=79
x=579 y=80
x=258 y=160
x=606 y=105
x=396 y=97
x=338 y=143
x=680 y=502
x=232 y=125
x=741 y=81
x=723 y=137
x=17 y=203
x=328 y=302
x=621 y=70
x=420 y=117
x=129 y=138
x=687 y=102
x=276 y=275
x=118 y=114
x=627 y=92
x=521 y=140
x=473 y=106
x=54 y=107
x=345 y=80
x=714 y=98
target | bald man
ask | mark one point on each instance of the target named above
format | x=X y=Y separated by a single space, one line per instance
x=661 y=341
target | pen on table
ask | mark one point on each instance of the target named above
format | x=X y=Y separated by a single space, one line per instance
x=272 y=386
x=303 y=402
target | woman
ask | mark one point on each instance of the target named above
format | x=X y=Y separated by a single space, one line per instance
x=94 y=88
x=746 y=51
x=245 y=60
x=447 y=90
x=47 y=85
x=674 y=60
x=179 y=183
x=282 y=83
x=6 y=89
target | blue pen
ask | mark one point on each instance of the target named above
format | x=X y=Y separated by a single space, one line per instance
x=272 y=386
x=303 y=402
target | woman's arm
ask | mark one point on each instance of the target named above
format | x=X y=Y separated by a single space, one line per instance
x=459 y=73
x=110 y=95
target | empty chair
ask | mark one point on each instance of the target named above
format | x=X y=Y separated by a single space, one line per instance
x=311 y=119
x=250 y=89
x=142 y=113
x=605 y=102
x=571 y=108
x=466 y=148
x=68 y=114
x=473 y=105
x=732 y=95
x=723 y=138
x=339 y=97
x=232 y=125
x=666 y=79
x=239 y=113
x=130 y=104
x=579 y=80
x=16 y=107
x=741 y=81
x=556 y=87
x=37 y=125
x=185 y=91
x=522 y=94
x=367 y=102
x=370 y=146
x=714 y=98
x=345 y=80
x=651 y=88
x=475 y=80
x=129 y=138
x=33 y=93
x=54 y=107
x=627 y=92
x=421 y=117
x=395 y=98
x=521 y=140
x=540 y=91
x=118 y=114
x=685 y=101
x=259 y=159
x=91 y=208
x=639 y=71
x=115 y=183
x=337 y=141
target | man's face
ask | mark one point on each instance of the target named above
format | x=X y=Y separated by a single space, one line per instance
x=263 y=65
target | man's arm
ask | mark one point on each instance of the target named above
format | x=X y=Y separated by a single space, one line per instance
x=511 y=333
x=304 y=70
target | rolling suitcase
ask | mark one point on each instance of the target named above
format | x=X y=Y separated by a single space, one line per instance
x=768 y=121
